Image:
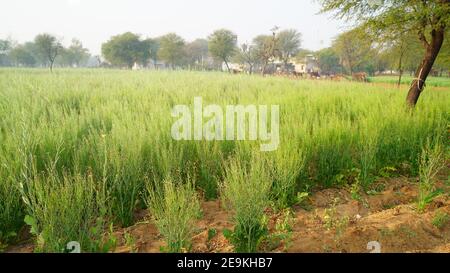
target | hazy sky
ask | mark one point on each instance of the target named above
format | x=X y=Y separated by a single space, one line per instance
x=94 y=21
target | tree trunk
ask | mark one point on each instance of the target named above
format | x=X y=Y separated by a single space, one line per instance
x=263 y=71
x=400 y=79
x=400 y=70
x=431 y=53
x=226 y=63
x=51 y=66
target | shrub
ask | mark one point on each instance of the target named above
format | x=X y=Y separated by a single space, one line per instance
x=11 y=205
x=61 y=210
x=431 y=162
x=174 y=207
x=440 y=219
x=285 y=167
x=246 y=191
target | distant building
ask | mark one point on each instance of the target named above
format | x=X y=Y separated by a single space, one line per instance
x=308 y=65
x=233 y=67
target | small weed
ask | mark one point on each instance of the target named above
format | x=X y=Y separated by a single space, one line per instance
x=440 y=219
x=387 y=172
x=174 y=208
x=332 y=222
x=431 y=162
x=130 y=242
x=212 y=232
x=355 y=190
x=283 y=232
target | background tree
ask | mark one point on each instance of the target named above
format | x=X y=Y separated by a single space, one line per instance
x=247 y=55
x=77 y=53
x=152 y=47
x=328 y=61
x=124 y=49
x=266 y=48
x=402 y=50
x=442 y=62
x=352 y=48
x=197 y=53
x=222 y=45
x=428 y=18
x=23 y=55
x=48 y=47
x=73 y=56
x=5 y=48
x=288 y=44
x=171 y=49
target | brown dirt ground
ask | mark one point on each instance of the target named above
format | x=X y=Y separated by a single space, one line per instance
x=389 y=217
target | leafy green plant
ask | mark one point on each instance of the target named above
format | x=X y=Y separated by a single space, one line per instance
x=130 y=242
x=282 y=233
x=212 y=232
x=355 y=191
x=61 y=211
x=440 y=219
x=11 y=204
x=431 y=162
x=332 y=221
x=286 y=166
x=174 y=208
x=63 y=208
x=245 y=191
x=387 y=171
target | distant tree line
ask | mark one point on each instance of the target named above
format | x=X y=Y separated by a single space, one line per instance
x=220 y=48
x=45 y=50
x=352 y=51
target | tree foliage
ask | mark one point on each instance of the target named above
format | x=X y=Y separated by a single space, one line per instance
x=48 y=47
x=288 y=44
x=222 y=45
x=171 y=49
x=124 y=50
x=329 y=61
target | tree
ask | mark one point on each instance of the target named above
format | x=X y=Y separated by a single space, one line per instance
x=197 y=53
x=402 y=49
x=23 y=55
x=427 y=18
x=352 y=49
x=248 y=55
x=152 y=48
x=222 y=45
x=48 y=47
x=5 y=48
x=171 y=49
x=288 y=44
x=266 y=48
x=73 y=56
x=77 y=53
x=328 y=61
x=124 y=49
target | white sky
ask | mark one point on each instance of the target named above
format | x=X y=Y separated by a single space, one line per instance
x=94 y=21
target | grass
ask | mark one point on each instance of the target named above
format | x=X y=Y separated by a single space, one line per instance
x=431 y=81
x=110 y=132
